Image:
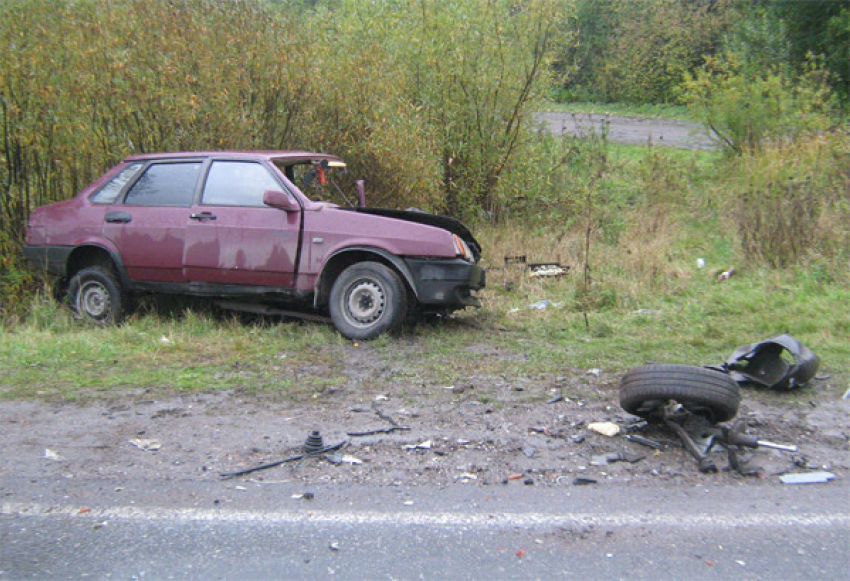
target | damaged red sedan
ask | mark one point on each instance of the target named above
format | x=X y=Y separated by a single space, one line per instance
x=240 y=227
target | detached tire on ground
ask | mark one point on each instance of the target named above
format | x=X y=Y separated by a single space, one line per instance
x=702 y=391
x=96 y=296
x=367 y=299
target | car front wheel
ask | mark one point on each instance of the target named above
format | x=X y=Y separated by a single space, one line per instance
x=367 y=299
x=96 y=296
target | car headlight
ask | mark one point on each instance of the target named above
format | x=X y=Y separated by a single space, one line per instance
x=461 y=249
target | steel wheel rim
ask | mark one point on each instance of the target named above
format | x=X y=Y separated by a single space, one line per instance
x=365 y=302
x=94 y=301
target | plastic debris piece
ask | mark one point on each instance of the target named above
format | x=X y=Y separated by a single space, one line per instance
x=426 y=445
x=726 y=275
x=540 y=305
x=547 y=270
x=583 y=481
x=807 y=477
x=52 y=455
x=558 y=398
x=846 y=394
x=609 y=429
x=146 y=445
x=700 y=262
x=515 y=476
x=644 y=441
x=594 y=372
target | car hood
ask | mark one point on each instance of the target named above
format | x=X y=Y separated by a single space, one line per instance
x=445 y=222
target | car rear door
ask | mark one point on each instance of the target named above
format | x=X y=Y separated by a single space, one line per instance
x=235 y=239
x=148 y=227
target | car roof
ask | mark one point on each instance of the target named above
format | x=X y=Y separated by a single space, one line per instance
x=270 y=155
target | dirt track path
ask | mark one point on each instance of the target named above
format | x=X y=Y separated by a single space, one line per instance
x=631 y=130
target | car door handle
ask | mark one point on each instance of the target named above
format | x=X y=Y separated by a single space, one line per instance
x=119 y=217
x=203 y=216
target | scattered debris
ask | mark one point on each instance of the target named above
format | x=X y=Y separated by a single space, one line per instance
x=609 y=429
x=846 y=394
x=726 y=275
x=515 y=476
x=583 y=481
x=146 y=444
x=343 y=459
x=284 y=461
x=544 y=304
x=388 y=430
x=644 y=441
x=807 y=477
x=611 y=457
x=426 y=445
x=547 y=270
x=334 y=546
x=52 y=455
x=700 y=262
x=558 y=398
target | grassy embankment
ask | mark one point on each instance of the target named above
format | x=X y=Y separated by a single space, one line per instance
x=643 y=298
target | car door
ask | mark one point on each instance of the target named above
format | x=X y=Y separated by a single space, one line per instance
x=148 y=225
x=235 y=239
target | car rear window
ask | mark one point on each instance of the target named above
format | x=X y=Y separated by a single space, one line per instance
x=165 y=184
x=109 y=192
x=237 y=183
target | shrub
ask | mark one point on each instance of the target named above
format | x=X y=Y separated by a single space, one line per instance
x=745 y=106
x=792 y=200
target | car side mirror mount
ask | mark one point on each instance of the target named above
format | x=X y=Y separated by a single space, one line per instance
x=361 y=193
x=280 y=200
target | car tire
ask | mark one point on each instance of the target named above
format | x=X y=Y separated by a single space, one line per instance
x=96 y=296
x=367 y=299
x=645 y=390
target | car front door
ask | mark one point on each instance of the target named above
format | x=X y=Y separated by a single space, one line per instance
x=148 y=228
x=233 y=238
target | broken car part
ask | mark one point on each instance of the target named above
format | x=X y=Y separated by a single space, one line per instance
x=765 y=364
x=284 y=461
x=646 y=390
x=314 y=442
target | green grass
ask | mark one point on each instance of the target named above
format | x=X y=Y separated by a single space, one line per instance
x=701 y=323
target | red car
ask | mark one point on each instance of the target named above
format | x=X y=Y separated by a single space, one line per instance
x=239 y=227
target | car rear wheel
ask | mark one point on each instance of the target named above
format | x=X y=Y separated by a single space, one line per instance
x=367 y=299
x=96 y=296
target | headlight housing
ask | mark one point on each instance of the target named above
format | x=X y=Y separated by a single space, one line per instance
x=462 y=249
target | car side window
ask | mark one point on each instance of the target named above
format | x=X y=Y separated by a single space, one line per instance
x=165 y=184
x=109 y=192
x=238 y=183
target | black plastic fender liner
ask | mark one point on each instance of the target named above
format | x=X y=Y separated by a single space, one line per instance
x=644 y=390
x=763 y=363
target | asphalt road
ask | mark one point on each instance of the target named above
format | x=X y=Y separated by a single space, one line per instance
x=244 y=529
x=631 y=130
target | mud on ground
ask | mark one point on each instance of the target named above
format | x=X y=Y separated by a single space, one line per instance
x=486 y=430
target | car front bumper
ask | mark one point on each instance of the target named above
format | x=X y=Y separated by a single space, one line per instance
x=447 y=283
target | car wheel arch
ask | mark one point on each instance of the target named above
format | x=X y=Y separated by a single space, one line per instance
x=96 y=255
x=343 y=258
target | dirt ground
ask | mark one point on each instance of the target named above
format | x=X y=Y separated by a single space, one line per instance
x=485 y=431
